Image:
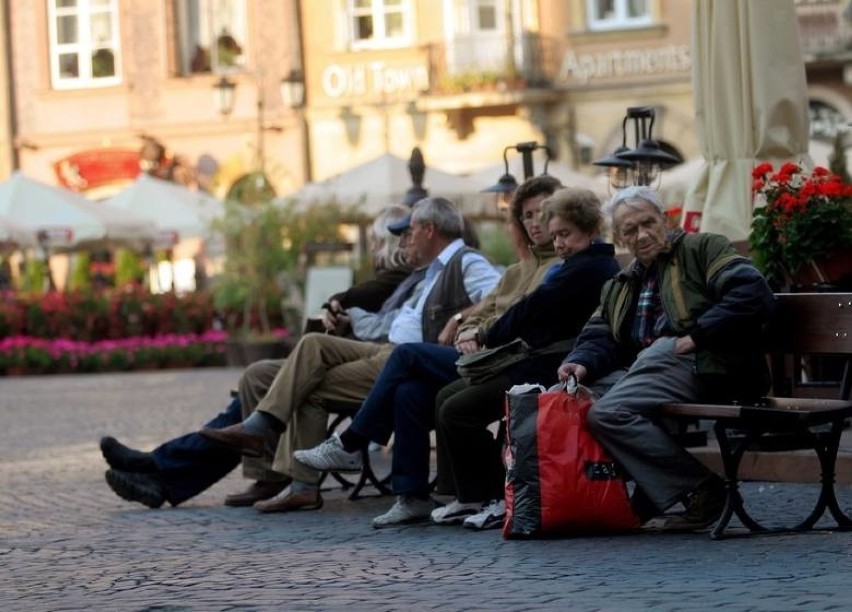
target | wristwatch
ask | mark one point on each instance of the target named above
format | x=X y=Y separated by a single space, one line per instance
x=458 y=318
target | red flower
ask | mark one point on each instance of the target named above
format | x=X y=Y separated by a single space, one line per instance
x=761 y=170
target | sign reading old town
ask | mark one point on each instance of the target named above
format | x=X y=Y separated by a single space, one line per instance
x=378 y=77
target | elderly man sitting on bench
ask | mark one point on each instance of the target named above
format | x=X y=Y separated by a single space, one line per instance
x=685 y=320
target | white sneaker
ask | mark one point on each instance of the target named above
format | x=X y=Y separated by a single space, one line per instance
x=330 y=457
x=454 y=512
x=406 y=509
x=490 y=517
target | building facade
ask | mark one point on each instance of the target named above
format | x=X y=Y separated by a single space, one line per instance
x=97 y=87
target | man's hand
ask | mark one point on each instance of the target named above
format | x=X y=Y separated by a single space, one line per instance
x=448 y=334
x=566 y=370
x=333 y=317
x=466 y=342
x=684 y=345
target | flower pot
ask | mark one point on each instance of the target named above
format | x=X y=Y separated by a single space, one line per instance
x=831 y=272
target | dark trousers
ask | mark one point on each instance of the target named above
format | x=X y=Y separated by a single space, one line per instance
x=402 y=402
x=191 y=463
x=470 y=465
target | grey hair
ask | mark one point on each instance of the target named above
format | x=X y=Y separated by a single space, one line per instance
x=628 y=196
x=443 y=213
x=387 y=255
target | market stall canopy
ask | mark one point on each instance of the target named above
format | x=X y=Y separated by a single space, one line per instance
x=176 y=211
x=379 y=182
x=37 y=213
x=751 y=105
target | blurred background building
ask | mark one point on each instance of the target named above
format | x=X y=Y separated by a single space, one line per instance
x=203 y=92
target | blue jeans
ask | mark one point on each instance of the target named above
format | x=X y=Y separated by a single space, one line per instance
x=191 y=463
x=402 y=402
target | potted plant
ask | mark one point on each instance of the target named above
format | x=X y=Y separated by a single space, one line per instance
x=248 y=291
x=804 y=224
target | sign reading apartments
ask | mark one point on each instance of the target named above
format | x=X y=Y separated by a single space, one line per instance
x=585 y=67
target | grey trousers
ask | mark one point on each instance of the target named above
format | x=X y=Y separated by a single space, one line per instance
x=624 y=420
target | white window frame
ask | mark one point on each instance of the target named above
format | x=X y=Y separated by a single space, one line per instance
x=84 y=46
x=377 y=11
x=620 y=19
x=209 y=24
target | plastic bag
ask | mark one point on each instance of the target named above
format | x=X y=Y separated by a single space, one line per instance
x=559 y=479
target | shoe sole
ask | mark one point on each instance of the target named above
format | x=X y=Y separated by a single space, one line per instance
x=409 y=521
x=455 y=519
x=491 y=524
x=133 y=493
x=315 y=506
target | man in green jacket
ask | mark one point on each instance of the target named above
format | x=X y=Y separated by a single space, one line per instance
x=682 y=323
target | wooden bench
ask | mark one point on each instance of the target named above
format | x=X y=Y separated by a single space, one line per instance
x=804 y=325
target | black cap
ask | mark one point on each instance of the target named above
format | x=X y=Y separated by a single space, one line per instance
x=397 y=227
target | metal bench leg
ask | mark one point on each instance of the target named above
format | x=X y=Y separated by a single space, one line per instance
x=827 y=453
x=731 y=458
x=368 y=476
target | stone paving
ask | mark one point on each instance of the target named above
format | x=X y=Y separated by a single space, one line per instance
x=68 y=543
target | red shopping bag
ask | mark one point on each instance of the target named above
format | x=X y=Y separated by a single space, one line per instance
x=559 y=479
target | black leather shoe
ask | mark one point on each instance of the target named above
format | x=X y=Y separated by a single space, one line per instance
x=126 y=459
x=146 y=489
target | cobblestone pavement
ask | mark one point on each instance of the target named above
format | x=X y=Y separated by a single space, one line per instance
x=68 y=543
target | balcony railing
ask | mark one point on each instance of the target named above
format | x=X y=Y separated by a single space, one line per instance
x=825 y=26
x=479 y=64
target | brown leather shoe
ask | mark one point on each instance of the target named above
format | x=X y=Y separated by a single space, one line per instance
x=309 y=500
x=257 y=491
x=236 y=438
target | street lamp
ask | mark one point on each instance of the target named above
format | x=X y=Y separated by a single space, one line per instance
x=641 y=165
x=293 y=91
x=225 y=91
x=507 y=184
x=223 y=95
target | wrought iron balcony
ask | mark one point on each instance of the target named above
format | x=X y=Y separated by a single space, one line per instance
x=825 y=27
x=476 y=64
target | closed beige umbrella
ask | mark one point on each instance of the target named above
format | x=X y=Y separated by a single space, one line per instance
x=751 y=105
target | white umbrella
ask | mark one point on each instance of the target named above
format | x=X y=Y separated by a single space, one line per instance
x=379 y=182
x=751 y=104
x=176 y=211
x=35 y=212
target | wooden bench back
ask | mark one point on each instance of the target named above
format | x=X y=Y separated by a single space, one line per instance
x=812 y=323
x=807 y=324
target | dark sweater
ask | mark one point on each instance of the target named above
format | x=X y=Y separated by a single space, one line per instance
x=371 y=294
x=559 y=307
x=555 y=311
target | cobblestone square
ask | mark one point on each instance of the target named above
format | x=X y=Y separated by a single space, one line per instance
x=68 y=543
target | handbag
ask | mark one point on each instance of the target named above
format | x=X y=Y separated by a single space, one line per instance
x=487 y=363
x=559 y=479
x=482 y=365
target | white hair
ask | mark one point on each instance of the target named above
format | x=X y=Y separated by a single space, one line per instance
x=628 y=197
x=386 y=252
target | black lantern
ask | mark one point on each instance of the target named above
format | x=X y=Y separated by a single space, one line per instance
x=643 y=164
x=293 y=89
x=507 y=184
